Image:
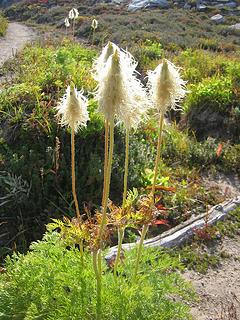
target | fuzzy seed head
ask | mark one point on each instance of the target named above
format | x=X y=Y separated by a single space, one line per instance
x=94 y=24
x=67 y=23
x=100 y=63
x=73 y=13
x=166 y=86
x=72 y=109
x=120 y=94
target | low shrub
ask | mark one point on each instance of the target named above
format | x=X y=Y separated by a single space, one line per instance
x=3 y=25
x=214 y=94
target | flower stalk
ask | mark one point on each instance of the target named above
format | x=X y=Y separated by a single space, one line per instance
x=105 y=159
x=107 y=179
x=120 y=241
x=74 y=176
x=126 y=167
x=139 y=250
x=157 y=161
x=98 y=283
x=72 y=111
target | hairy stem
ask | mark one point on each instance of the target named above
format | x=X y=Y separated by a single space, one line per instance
x=126 y=168
x=108 y=178
x=140 y=246
x=120 y=241
x=73 y=175
x=105 y=159
x=160 y=130
x=73 y=30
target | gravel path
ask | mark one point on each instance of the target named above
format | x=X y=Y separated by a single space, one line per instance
x=16 y=37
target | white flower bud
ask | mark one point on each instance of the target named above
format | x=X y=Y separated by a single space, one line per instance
x=94 y=24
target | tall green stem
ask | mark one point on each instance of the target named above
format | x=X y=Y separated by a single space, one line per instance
x=126 y=168
x=73 y=175
x=97 y=257
x=120 y=241
x=121 y=230
x=73 y=30
x=139 y=251
x=105 y=159
x=160 y=130
x=99 y=286
x=108 y=178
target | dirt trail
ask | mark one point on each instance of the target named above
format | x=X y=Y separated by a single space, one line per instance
x=16 y=37
x=219 y=289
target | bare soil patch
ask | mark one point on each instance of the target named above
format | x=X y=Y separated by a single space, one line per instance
x=219 y=289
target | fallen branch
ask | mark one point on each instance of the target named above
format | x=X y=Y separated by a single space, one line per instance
x=184 y=231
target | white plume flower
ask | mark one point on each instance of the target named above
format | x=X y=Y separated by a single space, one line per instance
x=67 y=23
x=167 y=88
x=72 y=109
x=120 y=94
x=73 y=13
x=100 y=62
x=94 y=24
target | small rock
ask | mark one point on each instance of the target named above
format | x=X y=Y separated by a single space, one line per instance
x=201 y=7
x=218 y=18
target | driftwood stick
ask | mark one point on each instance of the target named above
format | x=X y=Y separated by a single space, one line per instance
x=184 y=231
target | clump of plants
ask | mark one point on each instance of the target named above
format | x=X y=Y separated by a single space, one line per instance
x=3 y=25
x=56 y=282
x=121 y=97
x=27 y=115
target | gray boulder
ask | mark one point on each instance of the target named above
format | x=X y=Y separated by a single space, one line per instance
x=235 y=26
x=135 y=5
x=234 y=29
x=218 y=18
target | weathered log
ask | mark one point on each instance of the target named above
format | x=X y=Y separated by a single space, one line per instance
x=184 y=231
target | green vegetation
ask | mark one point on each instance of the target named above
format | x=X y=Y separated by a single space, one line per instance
x=55 y=283
x=3 y=25
x=34 y=179
x=63 y=275
x=32 y=145
x=198 y=256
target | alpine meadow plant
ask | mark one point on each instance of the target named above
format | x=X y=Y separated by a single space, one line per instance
x=84 y=286
x=120 y=96
x=72 y=112
x=67 y=24
x=166 y=90
x=94 y=26
x=73 y=15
